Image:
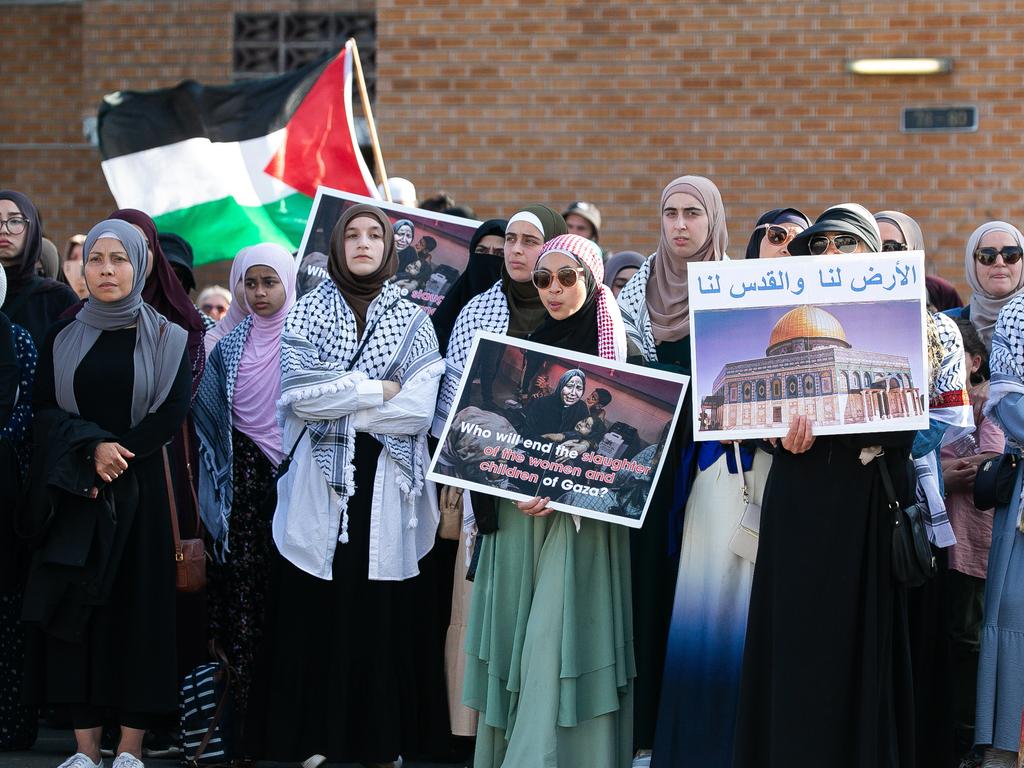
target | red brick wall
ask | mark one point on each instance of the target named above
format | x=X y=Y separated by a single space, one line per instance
x=503 y=103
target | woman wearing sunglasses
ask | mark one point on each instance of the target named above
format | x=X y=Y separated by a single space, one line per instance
x=826 y=676
x=992 y=262
x=774 y=231
x=550 y=639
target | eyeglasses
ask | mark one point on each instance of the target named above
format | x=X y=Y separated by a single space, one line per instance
x=818 y=244
x=567 y=277
x=893 y=245
x=14 y=225
x=987 y=256
x=777 y=235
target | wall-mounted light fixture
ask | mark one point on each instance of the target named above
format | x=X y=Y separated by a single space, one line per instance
x=932 y=66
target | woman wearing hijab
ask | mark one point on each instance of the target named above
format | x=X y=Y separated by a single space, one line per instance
x=359 y=377
x=486 y=257
x=240 y=449
x=405 y=233
x=112 y=389
x=826 y=669
x=35 y=303
x=774 y=231
x=509 y=305
x=1000 y=684
x=238 y=310
x=18 y=723
x=71 y=265
x=549 y=693
x=562 y=409
x=950 y=418
x=995 y=273
x=620 y=268
x=700 y=687
x=942 y=294
x=655 y=309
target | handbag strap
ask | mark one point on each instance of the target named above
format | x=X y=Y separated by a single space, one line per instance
x=739 y=471
x=215 y=721
x=890 y=492
x=188 y=472
x=178 y=556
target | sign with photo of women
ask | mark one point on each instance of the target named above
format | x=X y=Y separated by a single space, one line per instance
x=532 y=420
x=839 y=339
x=433 y=248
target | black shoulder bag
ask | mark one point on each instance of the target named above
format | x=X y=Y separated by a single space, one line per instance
x=993 y=485
x=912 y=560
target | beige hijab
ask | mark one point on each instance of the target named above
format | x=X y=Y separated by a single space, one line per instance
x=984 y=306
x=667 y=299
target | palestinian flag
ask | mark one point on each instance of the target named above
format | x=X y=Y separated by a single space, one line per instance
x=233 y=165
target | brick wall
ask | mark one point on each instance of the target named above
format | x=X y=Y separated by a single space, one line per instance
x=504 y=102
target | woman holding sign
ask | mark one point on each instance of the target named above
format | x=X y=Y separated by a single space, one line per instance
x=826 y=669
x=359 y=375
x=655 y=308
x=550 y=638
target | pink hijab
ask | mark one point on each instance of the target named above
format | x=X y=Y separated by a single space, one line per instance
x=258 y=384
x=237 y=309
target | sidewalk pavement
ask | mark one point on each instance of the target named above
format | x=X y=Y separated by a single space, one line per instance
x=54 y=746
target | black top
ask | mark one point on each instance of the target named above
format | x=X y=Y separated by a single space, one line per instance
x=10 y=372
x=41 y=308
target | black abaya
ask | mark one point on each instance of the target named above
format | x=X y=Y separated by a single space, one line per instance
x=826 y=669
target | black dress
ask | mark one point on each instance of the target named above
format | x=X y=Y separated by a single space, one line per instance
x=118 y=652
x=337 y=673
x=826 y=668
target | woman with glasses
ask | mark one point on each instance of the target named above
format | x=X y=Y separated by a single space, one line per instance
x=774 y=231
x=550 y=639
x=508 y=304
x=35 y=303
x=826 y=669
x=697 y=717
x=655 y=309
x=992 y=262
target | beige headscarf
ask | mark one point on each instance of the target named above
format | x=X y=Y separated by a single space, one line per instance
x=984 y=306
x=911 y=230
x=667 y=299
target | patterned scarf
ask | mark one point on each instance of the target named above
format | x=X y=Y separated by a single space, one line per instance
x=486 y=312
x=635 y=315
x=1007 y=365
x=317 y=349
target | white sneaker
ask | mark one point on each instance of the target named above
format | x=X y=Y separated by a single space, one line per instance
x=80 y=760
x=999 y=758
x=128 y=760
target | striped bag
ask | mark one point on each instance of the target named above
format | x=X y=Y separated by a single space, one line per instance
x=205 y=713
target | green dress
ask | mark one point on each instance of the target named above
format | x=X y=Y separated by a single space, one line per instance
x=550 y=644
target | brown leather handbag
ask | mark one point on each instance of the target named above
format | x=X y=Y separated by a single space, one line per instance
x=189 y=554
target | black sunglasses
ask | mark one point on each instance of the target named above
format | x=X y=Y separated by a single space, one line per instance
x=777 y=235
x=818 y=244
x=987 y=256
x=893 y=245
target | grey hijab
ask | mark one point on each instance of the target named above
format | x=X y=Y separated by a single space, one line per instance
x=159 y=343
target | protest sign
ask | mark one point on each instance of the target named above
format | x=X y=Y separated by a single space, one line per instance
x=433 y=248
x=531 y=420
x=840 y=339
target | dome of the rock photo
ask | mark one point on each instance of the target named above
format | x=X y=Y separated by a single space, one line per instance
x=807 y=322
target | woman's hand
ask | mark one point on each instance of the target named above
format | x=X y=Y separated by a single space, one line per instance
x=959 y=478
x=111 y=460
x=801 y=435
x=391 y=388
x=536 y=507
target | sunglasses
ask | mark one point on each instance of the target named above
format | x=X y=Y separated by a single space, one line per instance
x=893 y=245
x=567 y=277
x=987 y=256
x=818 y=244
x=777 y=235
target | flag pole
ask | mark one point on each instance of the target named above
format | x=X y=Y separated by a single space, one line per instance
x=378 y=156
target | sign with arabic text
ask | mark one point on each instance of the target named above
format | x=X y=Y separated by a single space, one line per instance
x=839 y=339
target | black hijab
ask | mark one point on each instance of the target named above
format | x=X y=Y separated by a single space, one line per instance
x=774 y=216
x=21 y=274
x=481 y=273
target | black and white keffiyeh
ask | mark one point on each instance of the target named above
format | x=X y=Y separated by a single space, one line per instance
x=212 y=414
x=1007 y=365
x=635 y=315
x=486 y=312
x=319 y=342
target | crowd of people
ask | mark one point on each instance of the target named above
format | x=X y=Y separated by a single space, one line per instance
x=288 y=422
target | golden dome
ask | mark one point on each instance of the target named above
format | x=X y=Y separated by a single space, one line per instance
x=806 y=322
